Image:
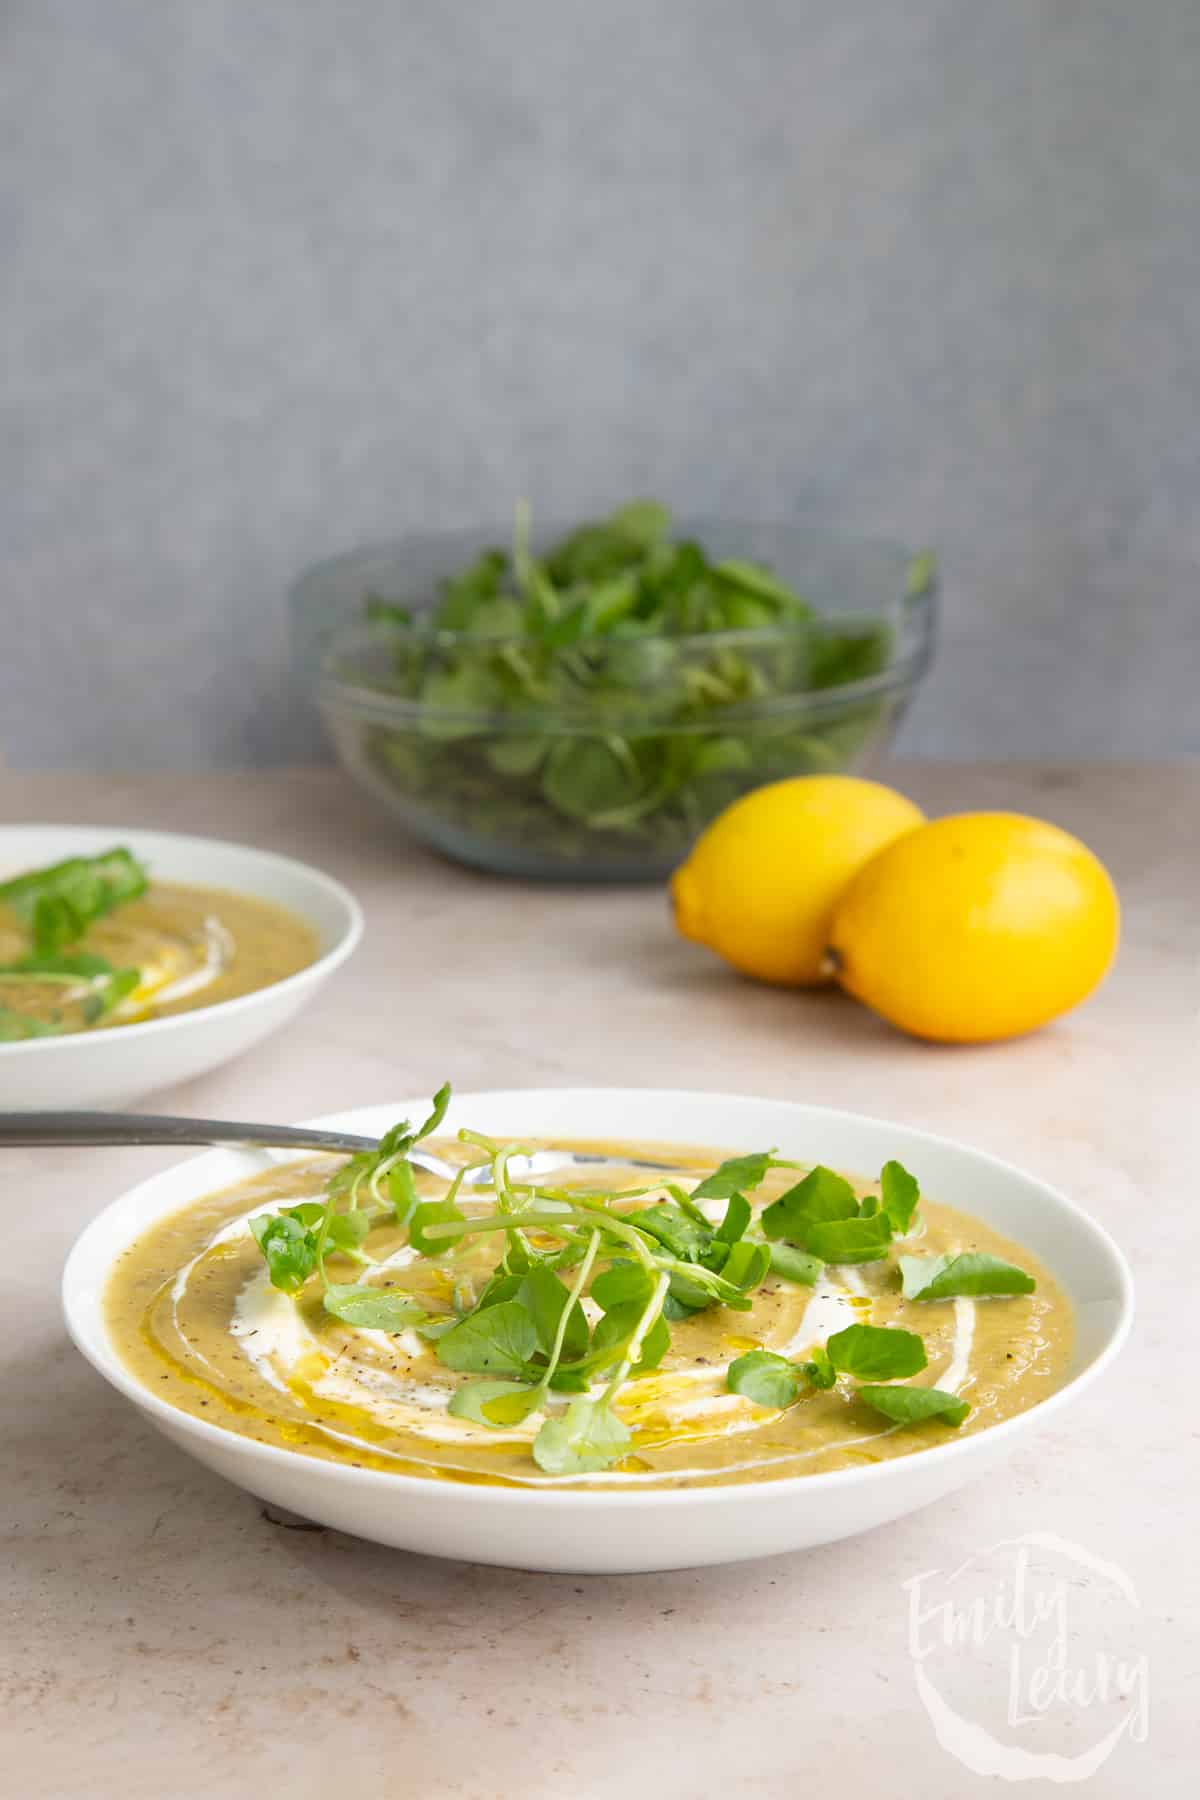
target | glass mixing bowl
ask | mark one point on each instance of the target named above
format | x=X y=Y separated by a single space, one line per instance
x=602 y=759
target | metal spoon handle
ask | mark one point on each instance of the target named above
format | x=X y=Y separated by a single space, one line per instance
x=63 y=1129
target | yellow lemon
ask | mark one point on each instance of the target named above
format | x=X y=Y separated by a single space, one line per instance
x=976 y=927
x=761 y=881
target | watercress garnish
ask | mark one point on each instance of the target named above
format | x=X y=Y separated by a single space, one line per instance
x=523 y=1335
x=794 y=1265
x=900 y=1193
x=88 y=982
x=58 y=903
x=864 y=1239
x=588 y=1436
x=868 y=1352
x=821 y=1195
x=289 y=1246
x=497 y=1340
x=736 y=1175
x=374 y=1308
x=972 y=1272
x=822 y=1215
x=876 y=1352
x=912 y=1405
x=765 y=1378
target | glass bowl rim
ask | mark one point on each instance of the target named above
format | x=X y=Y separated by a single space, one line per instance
x=913 y=612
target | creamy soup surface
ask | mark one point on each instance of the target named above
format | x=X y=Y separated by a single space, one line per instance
x=191 y=947
x=193 y=1315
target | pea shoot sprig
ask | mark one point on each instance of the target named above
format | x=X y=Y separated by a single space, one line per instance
x=525 y=1337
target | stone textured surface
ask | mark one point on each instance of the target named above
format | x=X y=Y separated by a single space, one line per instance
x=284 y=279
x=163 y=1636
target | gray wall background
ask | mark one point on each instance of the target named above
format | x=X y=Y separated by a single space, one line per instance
x=281 y=277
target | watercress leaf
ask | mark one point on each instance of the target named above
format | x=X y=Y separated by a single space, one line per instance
x=676 y=1307
x=494 y=1403
x=736 y=1175
x=675 y=1228
x=347 y=1230
x=688 y=1295
x=714 y=1257
x=876 y=1352
x=819 y=1370
x=642 y=522
x=823 y=1195
x=500 y=1339
x=354 y=1170
x=753 y=578
x=721 y=756
x=517 y=755
x=500 y=1287
x=972 y=1273
x=900 y=1193
x=746 y=1265
x=570 y=1378
x=394 y=1141
x=622 y=1284
x=763 y=1377
x=308 y=1212
x=849 y=1240
x=59 y=902
x=610 y=1340
x=432 y=1212
x=289 y=1247
x=462 y=594
x=441 y=1100
x=585 y=778
x=546 y=1297
x=586 y=1437
x=374 y=1308
x=433 y=1329
x=911 y=1405
x=795 y=1265
x=54 y=922
x=737 y=1217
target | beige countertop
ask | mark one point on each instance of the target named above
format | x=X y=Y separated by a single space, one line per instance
x=164 y=1638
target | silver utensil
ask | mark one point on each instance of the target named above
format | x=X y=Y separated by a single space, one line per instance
x=64 y=1130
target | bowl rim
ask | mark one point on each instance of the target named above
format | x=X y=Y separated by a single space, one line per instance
x=107 y=1362
x=346 y=941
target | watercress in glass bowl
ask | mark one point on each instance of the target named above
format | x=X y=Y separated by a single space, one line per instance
x=581 y=703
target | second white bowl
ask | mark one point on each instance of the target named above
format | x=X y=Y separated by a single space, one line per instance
x=113 y=1067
